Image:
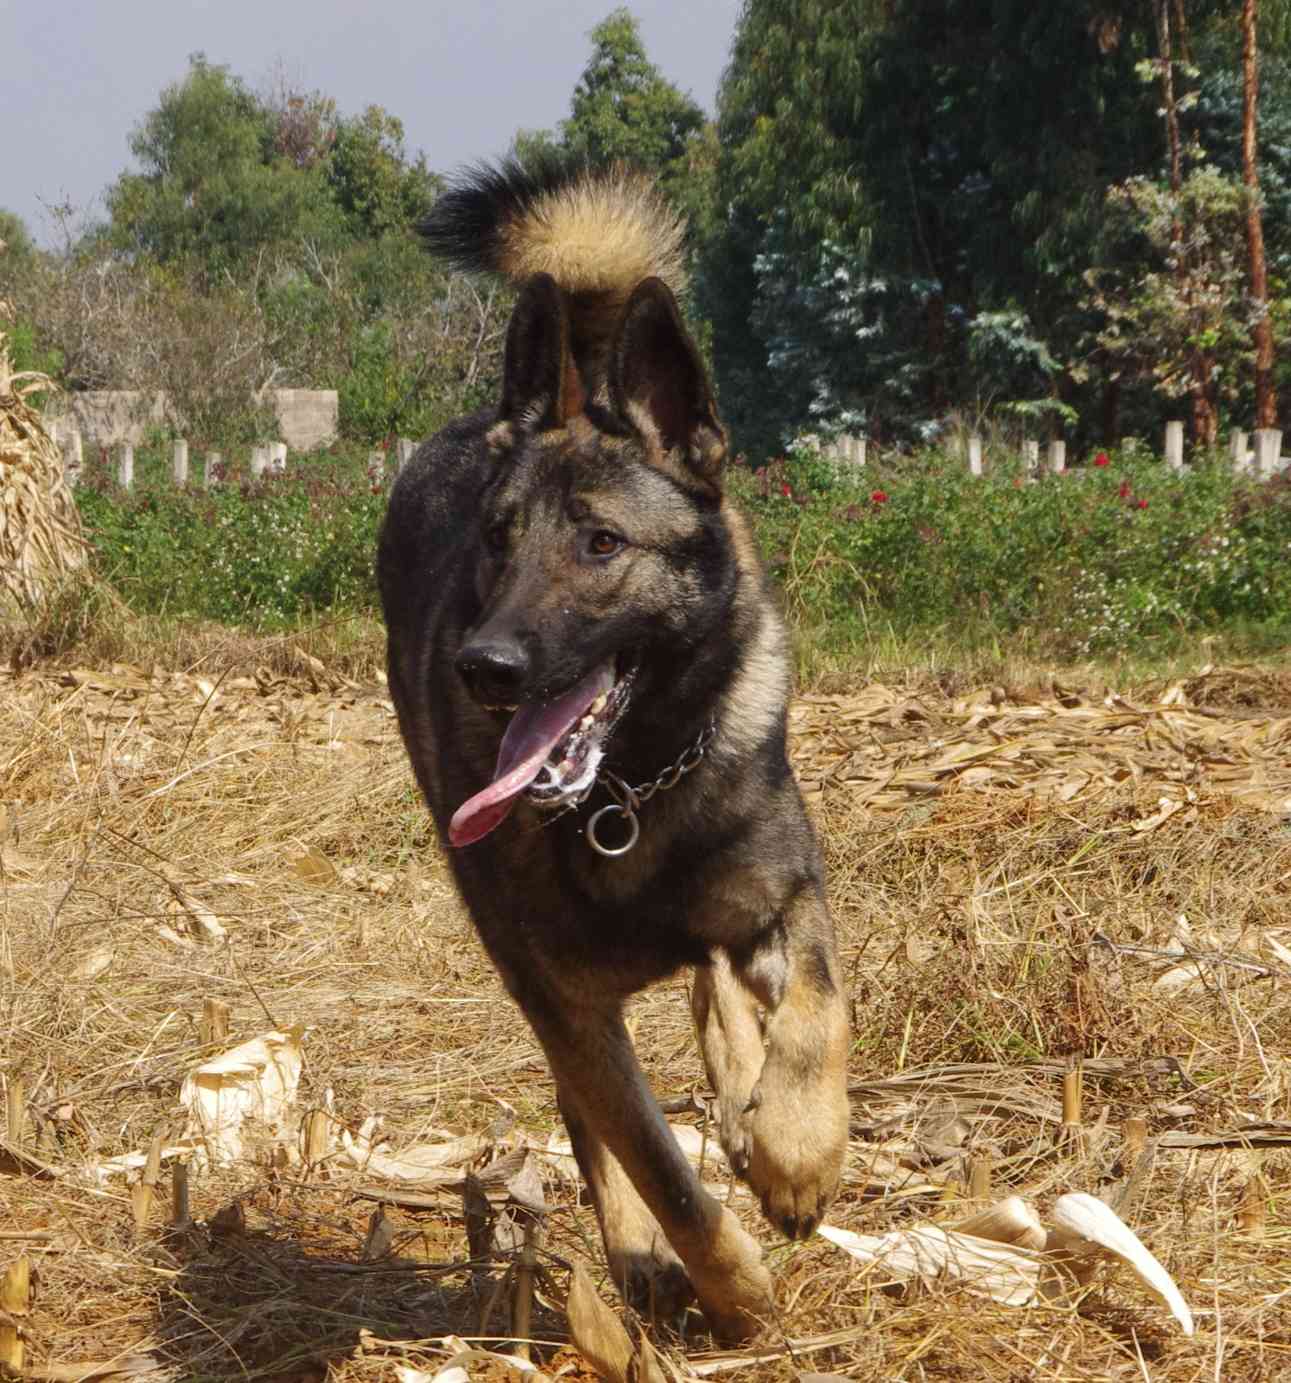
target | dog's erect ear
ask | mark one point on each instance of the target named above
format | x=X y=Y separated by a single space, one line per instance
x=541 y=388
x=658 y=384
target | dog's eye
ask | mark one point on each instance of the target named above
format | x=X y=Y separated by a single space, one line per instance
x=603 y=543
x=496 y=538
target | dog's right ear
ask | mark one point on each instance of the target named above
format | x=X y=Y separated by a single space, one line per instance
x=541 y=388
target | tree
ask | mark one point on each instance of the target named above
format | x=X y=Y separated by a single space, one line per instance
x=890 y=129
x=1176 y=312
x=371 y=177
x=1266 y=404
x=213 y=191
x=623 y=109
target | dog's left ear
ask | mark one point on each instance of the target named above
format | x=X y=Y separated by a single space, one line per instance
x=658 y=384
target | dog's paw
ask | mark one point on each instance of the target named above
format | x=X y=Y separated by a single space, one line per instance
x=652 y=1280
x=732 y=1283
x=735 y=1130
x=798 y=1140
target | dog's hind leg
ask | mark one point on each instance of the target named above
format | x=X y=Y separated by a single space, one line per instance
x=795 y=1118
x=643 y=1264
x=603 y=1089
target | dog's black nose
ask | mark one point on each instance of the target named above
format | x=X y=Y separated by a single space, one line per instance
x=494 y=670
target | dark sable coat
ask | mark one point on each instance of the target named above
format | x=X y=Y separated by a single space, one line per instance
x=582 y=521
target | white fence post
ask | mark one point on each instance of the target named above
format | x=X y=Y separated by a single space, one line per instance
x=259 y=462
x=73 y=455
x=974 y=455
x=1268 y=451
x=1237 y=450
x=403 y=450
x=1057 y=458
x=278 y=458
x=179 y=461
x=1174 y=445
x=212 y=476
x=1031 y=458
x=125 y=467
x=859 y=446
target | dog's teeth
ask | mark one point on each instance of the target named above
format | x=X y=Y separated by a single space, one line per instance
x=599 y=703
x=587 y=722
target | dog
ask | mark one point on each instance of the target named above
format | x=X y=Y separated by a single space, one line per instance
x=591 y=680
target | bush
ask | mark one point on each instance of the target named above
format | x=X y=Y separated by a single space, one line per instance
x=261 y=553
x=1102 y=559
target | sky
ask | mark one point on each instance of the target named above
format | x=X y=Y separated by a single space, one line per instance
x=78 y=76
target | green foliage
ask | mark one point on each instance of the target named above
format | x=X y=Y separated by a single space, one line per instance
x=1107 y=559
x=213 y=191
x=17 y=249
x=260 y=554
x=624 y=110
x=1176 y=312
x=371 y=177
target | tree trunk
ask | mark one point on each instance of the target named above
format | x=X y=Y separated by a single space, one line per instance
x=1111 y=411
x=1167 y=95
x=1266 y=403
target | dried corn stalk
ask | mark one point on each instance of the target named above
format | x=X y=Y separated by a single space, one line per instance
x=41 y=543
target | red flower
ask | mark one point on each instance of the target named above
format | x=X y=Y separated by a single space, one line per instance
x=879 y=497
x=1124 y=491
x=786 y=491
x=1102 y=459
x=1142 y=504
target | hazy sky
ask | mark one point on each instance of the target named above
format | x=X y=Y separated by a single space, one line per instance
x=78 y=76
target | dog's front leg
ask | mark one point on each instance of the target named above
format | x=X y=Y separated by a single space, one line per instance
x=795 y=1119
x=603 y=1088
x=643 y=1264
x=730 y=1040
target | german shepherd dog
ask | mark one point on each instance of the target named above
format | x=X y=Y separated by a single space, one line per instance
x=591 y=680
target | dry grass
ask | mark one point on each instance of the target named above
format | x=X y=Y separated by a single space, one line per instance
x=1005 y=903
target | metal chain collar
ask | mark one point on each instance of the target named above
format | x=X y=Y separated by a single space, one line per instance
x=629 y=800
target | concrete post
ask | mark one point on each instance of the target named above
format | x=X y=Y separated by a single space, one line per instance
x=1174 y=445
x=278 y=458
x=179 y=461
x=125 y=467
x=73 y=455
x=1268 y=451
x=1031 y=459
x=1237 y=449
x=974 y=455
x=259 y=462
x=403 y=450
x=1057 y=458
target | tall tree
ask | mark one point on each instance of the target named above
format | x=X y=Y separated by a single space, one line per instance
x=624 y=109
x=212 y=190
x=1266 y=403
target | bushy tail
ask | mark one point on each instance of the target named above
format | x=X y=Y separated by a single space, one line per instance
x=598 y=233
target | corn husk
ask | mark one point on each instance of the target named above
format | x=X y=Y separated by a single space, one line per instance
x=41 y=542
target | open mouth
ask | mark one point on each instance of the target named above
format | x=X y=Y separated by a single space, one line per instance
x=550 y=752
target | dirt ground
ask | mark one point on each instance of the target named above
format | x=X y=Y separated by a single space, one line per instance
x=1038 y=888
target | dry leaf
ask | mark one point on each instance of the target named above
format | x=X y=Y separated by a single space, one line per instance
x=1000 y=1271
x=314 y=867
x=1084 y=1225
x=255 y=1080
x=597 y=1331
x=94 y=962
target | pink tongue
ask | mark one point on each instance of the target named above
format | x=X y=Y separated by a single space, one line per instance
x=533 y=733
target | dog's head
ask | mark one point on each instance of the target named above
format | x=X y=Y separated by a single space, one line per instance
x=601 y=540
